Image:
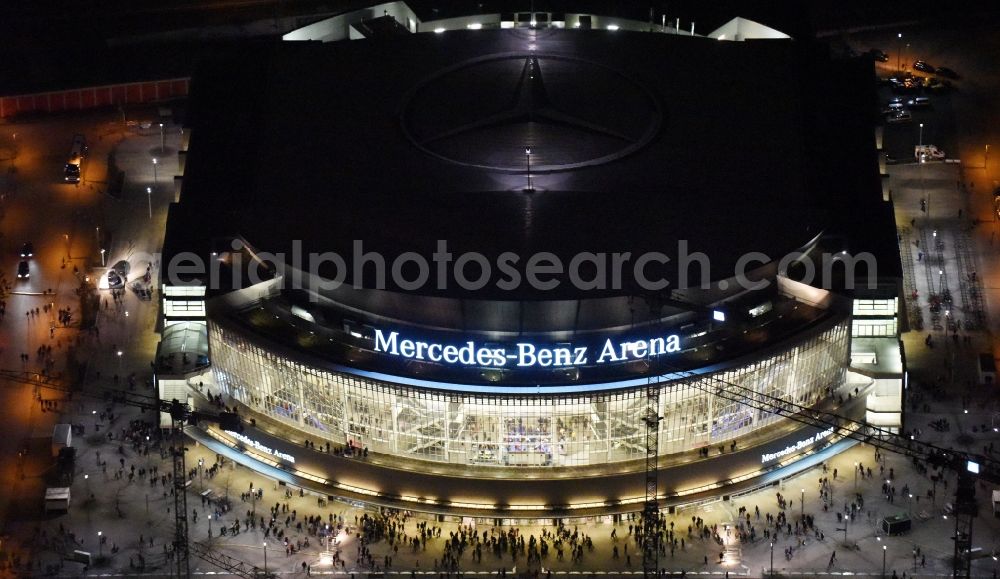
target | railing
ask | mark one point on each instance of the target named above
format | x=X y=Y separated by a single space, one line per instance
x=92 y=97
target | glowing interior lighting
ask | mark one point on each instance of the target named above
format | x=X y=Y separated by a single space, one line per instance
x=474 y=26
x=612 y=27
x=438 y=30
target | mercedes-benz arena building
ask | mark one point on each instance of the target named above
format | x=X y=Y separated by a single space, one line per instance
x=469 y=262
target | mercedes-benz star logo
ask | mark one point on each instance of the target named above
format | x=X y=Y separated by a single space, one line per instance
x=570 y=112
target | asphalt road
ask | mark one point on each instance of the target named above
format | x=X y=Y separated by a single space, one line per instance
x=64 y=222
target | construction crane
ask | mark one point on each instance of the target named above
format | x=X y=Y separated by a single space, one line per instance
x=968 y=467
x=180 y=415
x=651 y=507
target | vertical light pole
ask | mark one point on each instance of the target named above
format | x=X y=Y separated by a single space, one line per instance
x=155 y=162
x=86 y=479
x=119 y=362
x=265 y=557
x=802 y=504
x=921 y=139
x=855 y=477
x=527 y=157
x=884 y=548
x=899 y=51
x=149 y=200
x=201 y=470
x=209 y=526
x=771 y=574
x=163 y=146
x=102 y=258
x=97 y=234
x=100 y=545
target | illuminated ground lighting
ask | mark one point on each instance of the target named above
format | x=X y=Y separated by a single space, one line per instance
x=438 y=30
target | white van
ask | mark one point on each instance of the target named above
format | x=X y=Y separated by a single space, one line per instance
x=57 y=499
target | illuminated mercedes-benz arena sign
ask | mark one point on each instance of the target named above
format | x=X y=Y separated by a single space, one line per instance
x=523 y=354
x=529 y=399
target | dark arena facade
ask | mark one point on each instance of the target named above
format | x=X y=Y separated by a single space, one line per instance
x=461 y=257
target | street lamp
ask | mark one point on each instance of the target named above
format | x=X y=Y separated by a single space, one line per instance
x=899 y=51
x=154 y=170
x=163 y=146
x=209 y=526
x=265 y=557
x=119 y=361
x=772 y=560
x=100 y=546
x=855 y=477
x=102 y=258
x=149 y=200
x=527 y=156
x=921 y=141
x=884 y=548
x=201 y=470
x=802 y=503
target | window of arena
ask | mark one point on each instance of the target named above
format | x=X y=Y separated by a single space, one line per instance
x=518 y=430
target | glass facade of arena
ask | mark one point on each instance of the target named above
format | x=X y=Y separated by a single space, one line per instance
x=508 y=429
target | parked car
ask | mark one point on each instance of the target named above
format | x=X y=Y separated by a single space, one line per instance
x=115 y=281
x=27 y=250
x=923 y=66
x=946 y=72
x=938 y=86
x=893 y=105
x=904 y=85
x=918 y=103
x=879 y=55
x=22 y=270
x=902 y=116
